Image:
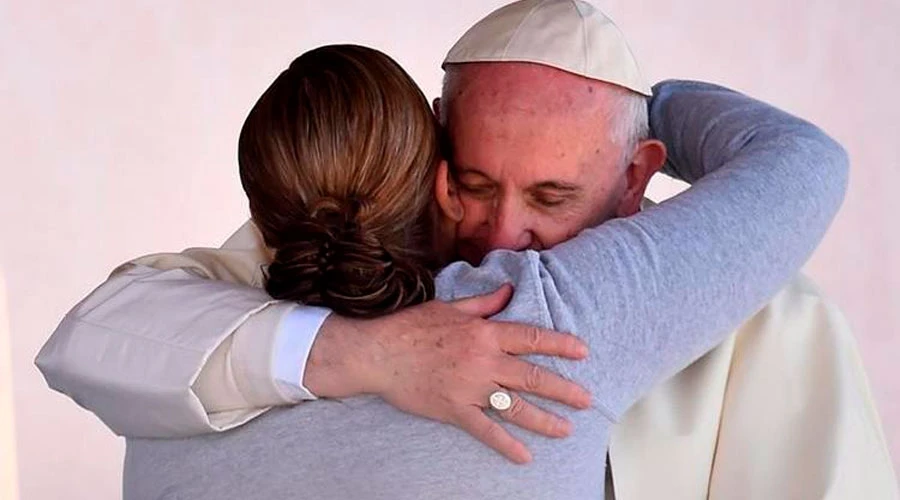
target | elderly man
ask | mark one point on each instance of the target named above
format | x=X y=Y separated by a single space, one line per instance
x=522 y=144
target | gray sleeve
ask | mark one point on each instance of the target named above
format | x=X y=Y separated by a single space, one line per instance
x=653 y=292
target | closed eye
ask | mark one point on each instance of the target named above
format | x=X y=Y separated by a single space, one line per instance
x=550 y=201
x=477 y=190
x=553 y=198
x=551 y=194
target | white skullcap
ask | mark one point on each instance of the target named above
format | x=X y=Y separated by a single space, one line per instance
x=570 y=35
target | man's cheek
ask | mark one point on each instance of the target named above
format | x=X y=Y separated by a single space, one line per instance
x=551 y=231
x=476 y=217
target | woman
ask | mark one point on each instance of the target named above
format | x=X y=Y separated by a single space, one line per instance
x=340 y=161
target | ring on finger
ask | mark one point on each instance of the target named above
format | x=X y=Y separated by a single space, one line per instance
x=500 y=400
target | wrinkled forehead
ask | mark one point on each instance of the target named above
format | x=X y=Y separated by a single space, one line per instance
x=510 y=86
x=527 y=118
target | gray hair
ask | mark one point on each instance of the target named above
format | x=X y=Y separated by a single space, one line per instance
x=631 y=122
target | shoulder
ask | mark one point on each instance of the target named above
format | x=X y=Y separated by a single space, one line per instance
x=799 y=314
x=801 y=291
x=240 y=260
x=461 y=279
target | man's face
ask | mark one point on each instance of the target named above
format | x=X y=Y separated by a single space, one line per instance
x=533 y=154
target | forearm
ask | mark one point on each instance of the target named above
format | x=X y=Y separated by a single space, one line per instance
x=676 y=278
x=260 y=365
x=131 y=351
x=706 y=126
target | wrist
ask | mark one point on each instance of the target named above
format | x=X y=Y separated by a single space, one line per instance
x=343 y=359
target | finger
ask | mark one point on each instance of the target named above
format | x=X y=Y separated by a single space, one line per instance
x=517 y=338
x=485 y=305
x=534 y=419
x=491 y=433
x=523 y=376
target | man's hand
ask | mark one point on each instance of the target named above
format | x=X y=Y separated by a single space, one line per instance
x=443 y=360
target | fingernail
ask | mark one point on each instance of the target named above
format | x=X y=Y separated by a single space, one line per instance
x=582 y=350
x=586 y=400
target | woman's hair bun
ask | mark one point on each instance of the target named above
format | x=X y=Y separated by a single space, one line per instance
x=329 y=257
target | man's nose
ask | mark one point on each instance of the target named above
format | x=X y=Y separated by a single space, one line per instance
x=510 y=228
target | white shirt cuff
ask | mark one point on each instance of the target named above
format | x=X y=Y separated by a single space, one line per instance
x=296 y=333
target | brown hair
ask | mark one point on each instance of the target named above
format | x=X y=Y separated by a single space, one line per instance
x=338 y=161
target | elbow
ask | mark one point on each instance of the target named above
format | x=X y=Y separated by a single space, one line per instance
x=826 y=181
x=834 y=174
x=48 y=362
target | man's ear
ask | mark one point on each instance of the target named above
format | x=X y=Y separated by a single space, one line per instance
x=446 y=193
x=648 y=158
x=436 y=107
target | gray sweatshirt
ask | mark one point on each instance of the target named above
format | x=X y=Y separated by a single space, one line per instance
x=649 y=294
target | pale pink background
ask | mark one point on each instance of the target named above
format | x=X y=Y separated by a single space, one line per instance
x=118 y=125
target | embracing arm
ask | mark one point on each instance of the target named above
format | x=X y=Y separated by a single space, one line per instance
x=176 y=345
x=132 y=350
x=652 y=292
x=766 y=186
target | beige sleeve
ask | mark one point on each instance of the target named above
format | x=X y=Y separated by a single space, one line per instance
x=171 y=345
